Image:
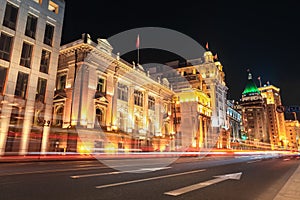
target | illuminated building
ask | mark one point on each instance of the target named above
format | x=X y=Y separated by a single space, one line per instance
x=276 y=125
x=214 y=78
x=193 y=118
x=234 y=120
x=103 y=102
x=206 y=75
x=254 y=113
x=292 y=134
x=193 y=106
x=30 y=34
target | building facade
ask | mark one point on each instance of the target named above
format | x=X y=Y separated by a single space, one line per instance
x=103 y=103
x=213 y=75
x=234 y=120
x=276 y=122
x=30 y=35
x=204 y=74
x=292 y=140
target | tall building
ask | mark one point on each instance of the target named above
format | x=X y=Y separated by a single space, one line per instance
x=276 y=123
x=103 y=103
x=30 y=34
x=214 y=77
x=254 y=113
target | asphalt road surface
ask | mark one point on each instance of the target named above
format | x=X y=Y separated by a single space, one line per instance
x=229 y=178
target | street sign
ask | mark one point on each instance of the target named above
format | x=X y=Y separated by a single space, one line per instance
x=291 y=109
x=288 y=109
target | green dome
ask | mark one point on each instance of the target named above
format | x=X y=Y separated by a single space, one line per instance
x=251 y=87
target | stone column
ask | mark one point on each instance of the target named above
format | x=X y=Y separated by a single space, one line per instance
x=200 y=131
x=145 y=112
x=130 y=122
x=5 y=120
x=115 y=102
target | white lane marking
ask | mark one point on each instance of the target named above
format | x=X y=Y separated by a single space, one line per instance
x=253 y=161
x=120 y=172
x=180 y=191
x=149 y=179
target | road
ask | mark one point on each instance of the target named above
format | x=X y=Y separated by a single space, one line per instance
x=239 y=178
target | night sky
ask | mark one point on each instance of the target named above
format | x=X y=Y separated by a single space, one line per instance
x=260 y=36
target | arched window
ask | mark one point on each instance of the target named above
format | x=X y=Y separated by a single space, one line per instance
x=99 y=116
x=59 y=116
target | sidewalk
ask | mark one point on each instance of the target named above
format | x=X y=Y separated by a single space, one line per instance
x=291 y=189
x=31 y=158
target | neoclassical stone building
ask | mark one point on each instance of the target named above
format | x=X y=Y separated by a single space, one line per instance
x=103 y=102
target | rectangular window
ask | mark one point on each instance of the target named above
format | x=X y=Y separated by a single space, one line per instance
x=3 y=72
x=53 y=7
x=61 y=82
x=26 y=55
x=138 y=98
x=151 y=103
x=10 y=16
x=122 y=92
x=45 y=61
x=5 y=46
x=48 y=34
x=21 y=86
x=31 y=26
x=41 y=90
x=101 y=85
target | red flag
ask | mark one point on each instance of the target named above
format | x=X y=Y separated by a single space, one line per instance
x=206 y=46
x=216 y=57
x=138 y=41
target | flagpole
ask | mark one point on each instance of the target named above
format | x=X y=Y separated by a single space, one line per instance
x=259 y=81
x=138 y=48
x=138 y=52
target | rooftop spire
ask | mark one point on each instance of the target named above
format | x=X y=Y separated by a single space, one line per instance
x=251 y=87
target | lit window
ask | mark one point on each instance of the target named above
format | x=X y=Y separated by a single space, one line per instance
x=38 y=1
x=53 y=7
x=10 y=17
